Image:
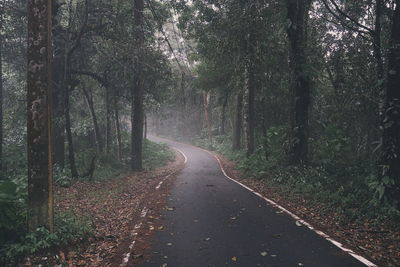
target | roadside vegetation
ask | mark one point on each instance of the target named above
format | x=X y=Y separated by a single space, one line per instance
x=71 y=229
x=348 y=190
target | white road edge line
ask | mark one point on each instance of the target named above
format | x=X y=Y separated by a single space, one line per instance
x=144 y=213
x=183 y=154
x=134 y=233
x=294 y=216
x=274 y=204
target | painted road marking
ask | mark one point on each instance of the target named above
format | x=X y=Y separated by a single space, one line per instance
x=183 y=154
x=143 y=214
x=297 y=218
x=294 y=216
x=134 y=233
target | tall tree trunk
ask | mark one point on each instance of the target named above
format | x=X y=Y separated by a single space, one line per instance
x=89 y=101
x=391 y=122
x=137 y=89
x=377 y=45
x=39 y=111
x=207 y=119
x=249 y=105
x=117 y=128
x=223 y=114
x=58 y=88
x=237 y=133
x=183 y=107
x=108 y=122
x=297 y=13
x=1 y=88
x=71 y=153
x=145 y=127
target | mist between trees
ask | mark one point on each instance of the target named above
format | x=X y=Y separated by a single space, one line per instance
x=311 y=86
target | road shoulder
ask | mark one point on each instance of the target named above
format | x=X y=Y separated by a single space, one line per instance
x=373 y=240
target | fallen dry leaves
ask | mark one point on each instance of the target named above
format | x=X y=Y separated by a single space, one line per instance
x=113 y=207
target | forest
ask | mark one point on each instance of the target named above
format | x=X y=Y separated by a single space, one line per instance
x=299 y=95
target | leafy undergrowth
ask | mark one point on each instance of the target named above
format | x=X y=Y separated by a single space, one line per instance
x=156 y=155
x=110 y=207
x=78 y=201
x=69 y=229
x=344 y=207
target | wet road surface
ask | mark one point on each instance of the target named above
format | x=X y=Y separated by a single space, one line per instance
x=212 y=221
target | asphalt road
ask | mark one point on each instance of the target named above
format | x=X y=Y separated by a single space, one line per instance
x=215 y=222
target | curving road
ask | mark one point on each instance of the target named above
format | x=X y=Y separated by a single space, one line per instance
x=217 y=222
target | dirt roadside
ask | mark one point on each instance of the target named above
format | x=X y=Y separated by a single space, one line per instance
x=114 y=208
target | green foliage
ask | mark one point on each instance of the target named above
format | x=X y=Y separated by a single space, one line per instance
x=12 y=208
x=69 y=228
x=156 y=155
x=61 y=176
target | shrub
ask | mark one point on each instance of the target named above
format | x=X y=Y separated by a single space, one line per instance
x=68 y=229
x=156 y=155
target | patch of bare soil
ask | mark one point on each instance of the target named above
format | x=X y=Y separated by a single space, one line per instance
x=375 y=240
x=114 y=208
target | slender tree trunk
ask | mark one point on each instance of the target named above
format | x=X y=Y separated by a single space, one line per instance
x=117 y=128
x=207 y=119
x=223 y=114
x=249 y=109
x=108 y=122
x=137 y=90
x=1 y=88
x=71 y=153
x=183 y=107
x=297 y=11
x=145 y=127
x=377 y=45
x=39 y=121
x=89 y=101
x=58 y=89
x=237 y=133
x=391 y=122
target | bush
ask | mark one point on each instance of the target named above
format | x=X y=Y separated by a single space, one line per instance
x=156 y=155
x=68 y=229
x=12 y=208
x=61 y=176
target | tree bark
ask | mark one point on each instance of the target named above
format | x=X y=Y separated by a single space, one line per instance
x=71 y=153
x=89 y=101
x=183 y=107
x=391 y=122
x=223 y=114
x=376 y=35
x=137 y=89
x=207 y=119
x=1 y=88
x=237 y=133
x=108 y=122
x=297 y=13
x=145 y=127
x=58 y=89
x=39 y=120
x=249 y=106
x=117 y=128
